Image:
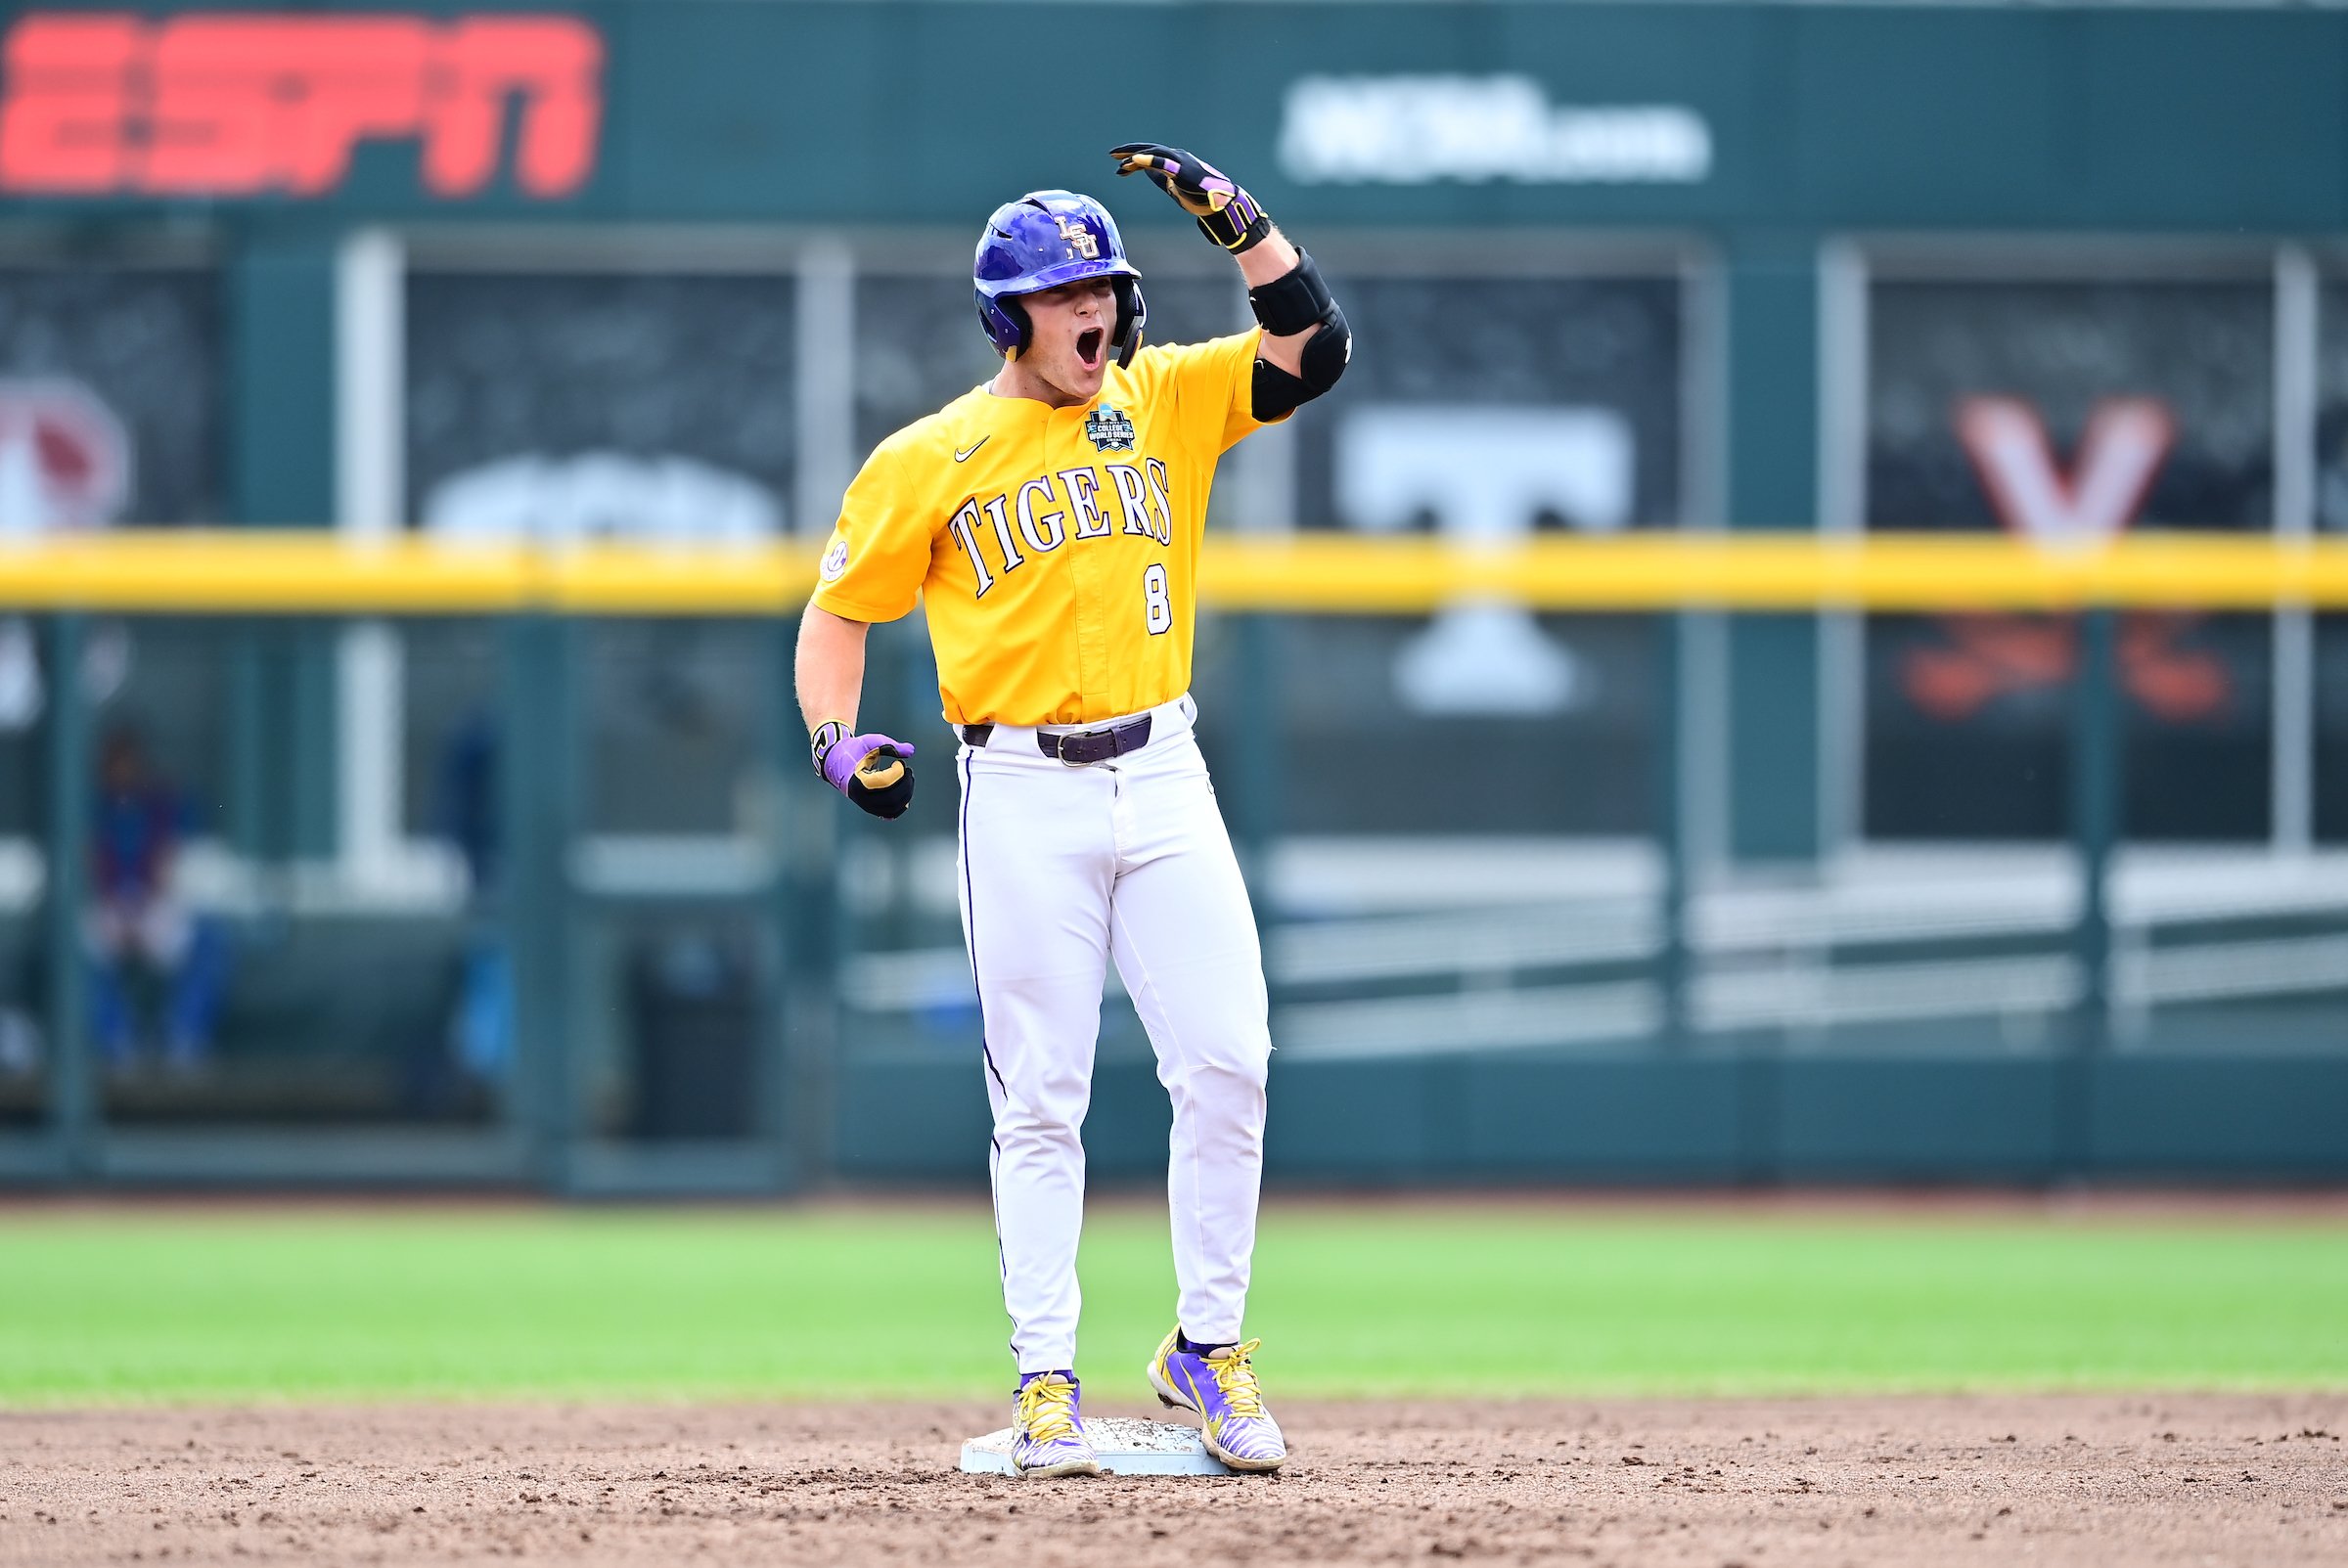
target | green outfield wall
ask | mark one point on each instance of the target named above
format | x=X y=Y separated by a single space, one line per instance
x=1777 y=248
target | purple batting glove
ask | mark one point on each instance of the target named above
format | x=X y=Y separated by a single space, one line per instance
x=871 y=770
x=1227 y=215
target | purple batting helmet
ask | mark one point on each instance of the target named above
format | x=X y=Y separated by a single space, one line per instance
x=1041 y=240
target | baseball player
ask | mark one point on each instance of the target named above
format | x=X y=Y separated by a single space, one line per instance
x=1050 y=521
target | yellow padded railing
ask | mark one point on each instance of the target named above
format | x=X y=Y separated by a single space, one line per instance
x=314 y=572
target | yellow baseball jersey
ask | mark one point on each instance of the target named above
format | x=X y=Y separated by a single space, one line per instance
x=1056 y=548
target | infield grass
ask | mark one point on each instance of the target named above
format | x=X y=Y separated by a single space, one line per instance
x=112 y=1305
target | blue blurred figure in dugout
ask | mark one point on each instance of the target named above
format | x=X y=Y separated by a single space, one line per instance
x=136 y=922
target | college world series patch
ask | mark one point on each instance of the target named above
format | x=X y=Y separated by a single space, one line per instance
x=1108 y=429
x=836 y=561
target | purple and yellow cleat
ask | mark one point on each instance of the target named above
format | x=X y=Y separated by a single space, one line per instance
x=1217 y=1382
x=1047 y=1429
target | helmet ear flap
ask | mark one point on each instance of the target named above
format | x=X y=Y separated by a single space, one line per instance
x=1133 y=311
x=1005 y=324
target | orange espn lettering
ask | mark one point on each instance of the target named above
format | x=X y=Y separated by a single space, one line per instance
x=227 y=105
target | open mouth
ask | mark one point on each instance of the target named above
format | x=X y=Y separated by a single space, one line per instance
x=1089 y=343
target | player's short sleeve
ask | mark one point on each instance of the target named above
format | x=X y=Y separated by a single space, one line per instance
x=1213 y=387
x=874 y=563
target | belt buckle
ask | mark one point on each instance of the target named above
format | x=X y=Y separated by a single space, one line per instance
x=1059 y=746
x=1101 y=744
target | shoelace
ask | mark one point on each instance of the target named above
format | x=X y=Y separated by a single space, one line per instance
x=1048 y=1409
x=1237 y=1379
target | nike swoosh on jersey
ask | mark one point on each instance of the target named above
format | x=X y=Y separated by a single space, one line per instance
x=964 y=454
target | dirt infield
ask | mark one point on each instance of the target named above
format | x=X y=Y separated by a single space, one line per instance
x=2072 y=1479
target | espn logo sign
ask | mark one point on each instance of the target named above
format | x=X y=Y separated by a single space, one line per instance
x=220 y=105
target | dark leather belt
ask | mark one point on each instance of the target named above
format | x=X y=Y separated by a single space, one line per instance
x=1079 y=747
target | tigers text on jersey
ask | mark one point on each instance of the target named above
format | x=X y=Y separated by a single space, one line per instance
x=1056 y=548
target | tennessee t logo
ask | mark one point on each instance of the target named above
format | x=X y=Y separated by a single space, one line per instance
x=2120 y=451
x=248 y=104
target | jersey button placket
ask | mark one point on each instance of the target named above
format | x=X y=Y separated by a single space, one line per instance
x=1087 y=566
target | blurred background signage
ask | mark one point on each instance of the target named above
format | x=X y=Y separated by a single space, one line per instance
x=248 y=104
x=64 y=457
x=1410 y=131
x=2119 y=453
x=1991 y=657
x=615 y=495
x=1486 y=476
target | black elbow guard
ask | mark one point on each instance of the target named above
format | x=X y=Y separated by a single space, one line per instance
x=1291 y=303
x=1326 y=354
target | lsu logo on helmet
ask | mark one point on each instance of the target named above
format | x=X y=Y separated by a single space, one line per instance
x=1080 y=238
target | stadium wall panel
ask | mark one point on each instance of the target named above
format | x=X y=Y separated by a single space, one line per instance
x=1902 y=1120
x=1488 y=1121
x=2245 y=1118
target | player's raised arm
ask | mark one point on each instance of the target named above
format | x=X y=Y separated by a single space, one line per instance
x=1306 y=342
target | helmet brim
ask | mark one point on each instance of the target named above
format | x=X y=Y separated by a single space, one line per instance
x=1051 y=277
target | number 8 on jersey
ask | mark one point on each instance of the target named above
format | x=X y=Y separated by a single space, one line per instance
x=1160 y=614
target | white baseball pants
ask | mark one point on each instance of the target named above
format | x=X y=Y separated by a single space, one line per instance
x=1062 y=866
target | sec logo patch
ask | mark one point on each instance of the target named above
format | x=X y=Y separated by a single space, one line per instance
x=836 y=561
